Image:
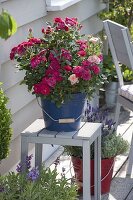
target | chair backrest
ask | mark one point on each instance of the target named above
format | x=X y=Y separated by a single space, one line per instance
x=120 y=45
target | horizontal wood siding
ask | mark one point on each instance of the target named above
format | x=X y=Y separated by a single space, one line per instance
x=25 y=11
x=33 y=14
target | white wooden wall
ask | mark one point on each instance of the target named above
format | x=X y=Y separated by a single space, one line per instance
x=33 y=14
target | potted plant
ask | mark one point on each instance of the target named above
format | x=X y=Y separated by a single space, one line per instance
x=111 y=86
x=5 y=126
x=34 y=184
x=111 y=146
x=60 y=66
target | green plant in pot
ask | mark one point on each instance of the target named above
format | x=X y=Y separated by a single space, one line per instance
x=111 y=86
x=60 y=67
x=111 y=146
x=35 y=184
x=5 y=126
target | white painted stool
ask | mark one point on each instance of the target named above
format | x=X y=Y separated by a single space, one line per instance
x=88 y=133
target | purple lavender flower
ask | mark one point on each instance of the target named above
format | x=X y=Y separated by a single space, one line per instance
x=97 y=115
x=1 y=188
x=33 y=174
x=28 y=161
x=19 y=168
x=56 y=162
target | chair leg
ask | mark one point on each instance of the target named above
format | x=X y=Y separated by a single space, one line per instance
x=117 y=114
x=130 y=159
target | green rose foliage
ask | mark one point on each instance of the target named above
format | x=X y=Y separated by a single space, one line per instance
x=8 y=25
x=5 y=129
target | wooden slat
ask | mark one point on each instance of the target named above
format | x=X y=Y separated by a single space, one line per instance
x=87 y=131
x=47 y=133
x=19 y=97
x=10 y=75
x=34 y=127
x=64 y=135
x=25 y=12
x=88 y=25
x=24 y=117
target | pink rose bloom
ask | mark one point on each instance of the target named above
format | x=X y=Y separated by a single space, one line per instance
x=35 y=61
x=101 y=57
x=68 y=68
x=86 y=63
x=49 y=30
x=71 y=21
x=94 y=39
x=86 y=75
x=51 y=71
x=13 y=52
x=94 y=59
x=81 y=53
x=27 y=44
x=58 y=20
x=82 y=44
x=62 y=26
x=66 y=54
x=51 y=56
x=78 y=70
x=51 y=81
x=55 y=73
x=55 y=64
x=42 y=52
x=73 y=79
x=41 y=88
x=20 y=49
x=95 y=69
x=45 y=90
x=35 y=40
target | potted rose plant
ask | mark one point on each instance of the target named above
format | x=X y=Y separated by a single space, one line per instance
x=61 y=66
x=34 y=184
x=111 y=146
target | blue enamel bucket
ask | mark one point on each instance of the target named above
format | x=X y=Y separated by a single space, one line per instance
x=65 y=118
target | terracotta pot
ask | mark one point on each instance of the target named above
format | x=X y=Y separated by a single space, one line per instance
x=106 y=174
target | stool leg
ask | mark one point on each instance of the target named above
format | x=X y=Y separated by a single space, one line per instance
x=24 y=149
x=97 y=168
x=86 y=171
x=38 y=155
x=130 y=159
x=117 y=114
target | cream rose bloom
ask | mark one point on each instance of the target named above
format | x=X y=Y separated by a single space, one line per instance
x=73 y=79
x=94 y=59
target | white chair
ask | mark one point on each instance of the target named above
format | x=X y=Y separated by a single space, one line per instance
x=121 y=49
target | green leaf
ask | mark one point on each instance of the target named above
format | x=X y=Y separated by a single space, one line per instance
x=8 y=25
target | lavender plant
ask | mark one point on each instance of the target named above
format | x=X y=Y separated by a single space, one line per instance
x=111 y=143
x=35 y=184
